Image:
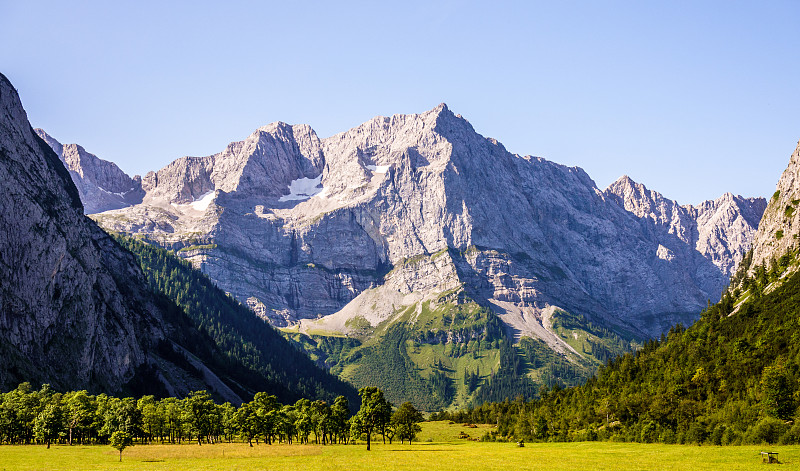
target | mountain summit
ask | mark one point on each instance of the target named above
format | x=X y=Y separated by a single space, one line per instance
x=298 y=226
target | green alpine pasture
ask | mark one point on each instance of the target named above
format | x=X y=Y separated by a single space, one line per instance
x=440 y=448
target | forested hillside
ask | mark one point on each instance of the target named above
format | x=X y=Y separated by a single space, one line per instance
x=453 y=352
x=730 y=378
x=288 y=373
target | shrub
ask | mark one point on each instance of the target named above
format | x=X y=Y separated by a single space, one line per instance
x=731 y=437
x=697 y=433
x=767 y=430
x=792 y=436
x=668 y=436
x=717 y=434
x=649 y=432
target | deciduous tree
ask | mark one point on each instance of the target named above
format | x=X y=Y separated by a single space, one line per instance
x=120 y=440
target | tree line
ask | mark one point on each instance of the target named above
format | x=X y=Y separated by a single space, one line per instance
x=44 y=416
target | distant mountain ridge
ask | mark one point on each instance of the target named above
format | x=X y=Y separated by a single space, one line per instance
x=721 y=230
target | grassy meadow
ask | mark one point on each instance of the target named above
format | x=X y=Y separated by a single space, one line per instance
x=439 y=448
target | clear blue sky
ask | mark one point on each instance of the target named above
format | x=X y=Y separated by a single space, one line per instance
x=690 y=98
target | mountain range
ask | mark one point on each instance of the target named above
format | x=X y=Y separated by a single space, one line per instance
x=347 y=235
x=298 y=226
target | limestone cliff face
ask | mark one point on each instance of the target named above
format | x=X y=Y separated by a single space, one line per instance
x=101 y=184
x=780 y=227
x=720 y=230
x=70 y=312
x=75 y=308
x=298 y=227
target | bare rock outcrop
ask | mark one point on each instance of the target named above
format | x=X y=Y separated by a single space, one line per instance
x=779 y=230
x=74 y=305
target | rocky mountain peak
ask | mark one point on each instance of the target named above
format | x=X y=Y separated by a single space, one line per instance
x=264 y=164
x=279 y=160
x=310 y=223
x=644 y=203
x=625 y=185
x=102 y=184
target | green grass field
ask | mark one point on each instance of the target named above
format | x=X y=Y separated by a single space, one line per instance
x=444 y=452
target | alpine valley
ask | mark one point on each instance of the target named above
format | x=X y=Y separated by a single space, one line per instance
x=414 y=254
x=409 y=253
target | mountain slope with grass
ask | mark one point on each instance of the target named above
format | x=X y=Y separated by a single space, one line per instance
x=449 y=351
x=779 y=230
x=733 y=377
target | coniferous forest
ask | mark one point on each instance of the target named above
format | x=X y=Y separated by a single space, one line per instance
x=289 y=373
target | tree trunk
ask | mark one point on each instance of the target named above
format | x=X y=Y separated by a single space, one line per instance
x=120 y=456
x=368 y=434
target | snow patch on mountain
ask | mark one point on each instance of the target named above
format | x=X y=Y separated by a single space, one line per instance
x=303 y=189
x=378 y=168
x=201 y=204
